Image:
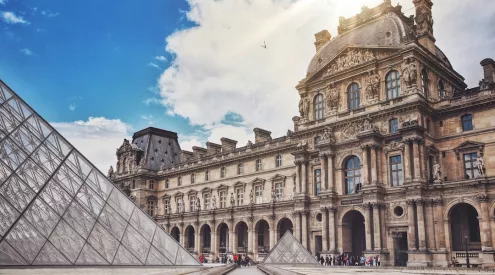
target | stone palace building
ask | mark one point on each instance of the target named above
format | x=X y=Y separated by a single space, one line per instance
x=391 y=154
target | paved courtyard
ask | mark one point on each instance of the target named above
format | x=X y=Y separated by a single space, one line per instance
x=99 y=271
x=253 y=270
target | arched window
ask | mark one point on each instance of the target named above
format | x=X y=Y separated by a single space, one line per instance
x=352 y=175
x=259 y=165
x=441 y=90
x=207 y=175
x=239 y=169
x=424 y=82
x=467 y=122
x=319 y=107
x=393 y=84
x=222 y=172
x=353 y=97
x=278 y=161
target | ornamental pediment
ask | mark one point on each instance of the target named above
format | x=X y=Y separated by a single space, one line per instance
x=352 y=57
x=278 y=177
x=467 y=146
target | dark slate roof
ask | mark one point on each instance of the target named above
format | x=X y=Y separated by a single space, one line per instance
x=159 y=146
x=373 y=33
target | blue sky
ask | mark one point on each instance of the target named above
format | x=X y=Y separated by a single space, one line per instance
x=101 y=70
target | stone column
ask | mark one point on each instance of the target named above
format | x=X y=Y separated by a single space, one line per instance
x=421 y=224
x=272 y=230
x=367 y=225
x=324 y=171
x=486 y=231
x=231 y=236
x=304 y=177
x=422 y=161
x=332 y=233
x=412 y=230
x=298 y=176
x=197 y=236
x=374 y=166
x=304 y=235
x=214 y=246
x=365 y=165
x=417 y=167
x=331 y=177
x=324 y=228
x=430 y=225
x=377 y=226
x=250 y=237
x=383 y=227
x=379 y=156
x=182 y=235
x=407 y=161
x=297 y=230
x=439 y=225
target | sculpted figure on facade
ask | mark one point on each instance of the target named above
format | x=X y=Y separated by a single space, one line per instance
x=251 y=197
x=198 y=204
x=111 y=173
x=214 y=203
x=372 y=83
x=424 y=21
x=481 y=165
x=410 y=72
x=333 y=98
x=328 y=135
x=436 y=171
x=350 y=59
x=368 y=125
x=304 y=107
x=350 y=131
x=232 y=200
x=180 y=205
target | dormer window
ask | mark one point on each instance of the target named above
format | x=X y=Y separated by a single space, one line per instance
x=319 y=107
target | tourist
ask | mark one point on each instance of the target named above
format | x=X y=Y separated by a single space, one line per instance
x=363 y=260
x=201 y=258
x=327 y=260
x=322 y=261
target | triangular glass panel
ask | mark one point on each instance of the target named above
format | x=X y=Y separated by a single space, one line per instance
x=89 y=256
x=56 y=208
x=8 y=255
x=49 y=255
x=289 y=251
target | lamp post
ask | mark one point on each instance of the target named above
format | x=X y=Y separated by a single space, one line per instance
x=467 y=253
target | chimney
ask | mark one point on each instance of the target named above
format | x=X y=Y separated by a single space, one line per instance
x=185 y=156
x=228 y=144
x=424 y=24
x=213 y=148
x=321 y=38
x=488 y=70
x=261 y=135
x=198 y=152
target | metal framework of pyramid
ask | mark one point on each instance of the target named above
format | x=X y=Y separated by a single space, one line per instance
x=288 y=250
x=56 y=208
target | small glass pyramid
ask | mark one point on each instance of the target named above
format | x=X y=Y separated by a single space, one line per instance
x=56 y=208
x=289 y=251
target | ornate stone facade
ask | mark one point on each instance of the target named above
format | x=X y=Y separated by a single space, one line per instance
x=400 y=165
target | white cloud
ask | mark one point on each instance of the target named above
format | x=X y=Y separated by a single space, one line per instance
x=2 y=2
x=11 y=18
x=27 y=52
x=72 y=107
x=49 y=14
x=220 y=68
x=146 y=117
x=154 y=65
x=161 y=58
x=187 y=144
x=151 y=100
x=97 y=138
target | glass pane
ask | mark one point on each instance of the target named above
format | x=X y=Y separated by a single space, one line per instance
x=5 y=93
x=46 y=158
x=89 y=256
x=67 y=241
x=58 y=145
x=165 y=244
x=142 y=223
x=38 y=127
x=112 y=222
x=4 y=172
x=42 y=217
x=11 y=154
x=99 y=184
x=156 y=258
x=8 y=255
x=25 y=239
x=79 y=164
x=79 y=219
x=68 y=179
x=8 y=122
x=103 y=242
x=17 y=192
x=92 y=202
x=8 y=215
x=49 y=255
x=467 y=157
x=33 y=175
x=124 y=257
x=25 y=139
x=119 y=201
x=17 y=108
x=135 y=243
x=56 y=197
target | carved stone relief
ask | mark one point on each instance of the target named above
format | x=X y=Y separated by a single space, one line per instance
x=372 y=88
x=351 y=58
x=333 y=98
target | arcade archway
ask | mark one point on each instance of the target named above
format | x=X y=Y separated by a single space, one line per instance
x=175 y=233
x=354 y=233
x=242 y=237
x=283 y=226
x=205 y=234
x=262 y=231
x=464 y=228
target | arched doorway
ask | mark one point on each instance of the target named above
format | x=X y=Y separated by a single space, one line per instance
x=223 y=239
x=283 y=226
x=175 y=233
x=262 y=231
x=189 y=238
x=354 y=234
x=465 y=228
x=205 y=234
x=242 y=237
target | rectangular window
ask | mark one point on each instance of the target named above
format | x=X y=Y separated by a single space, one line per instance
x=467 y=122
x=279 y=191
x=151 y=208
x=223 y=199
x=471 y=165
x=193 y=178
x=239 y=169
x=152 y=184
x=166 y=183
x=192 y=203
x=258 y=190
x=317 y=182
x=206 y=200
x=179 y=181
x=397 y=177
x=240 y=196
x=317 y=139
x=166 y=205
x=394 y=126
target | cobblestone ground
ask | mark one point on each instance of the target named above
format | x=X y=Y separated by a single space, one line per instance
x=97 y=271
x=252 y=270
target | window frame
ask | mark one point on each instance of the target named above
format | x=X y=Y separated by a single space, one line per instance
x=258 y=199
x=179 y=181
x=353 y=96
x=319 y=107
x=206 y=200
x=240 y=169
x=392 y=84
x=396 y=126
x=259 y=165
x=167 y=183
x=470 y=122
x=192 y=203
x=398 y=171
x=151 y=211
x=278 y=161
x=193 y=178
x=239 y=196
x=151 y=185
x=223 y=199
x=356 y=187
x=279 y=191
x=167 y=207
x=207 y=175
x=223 y=172
x=317 y=181
x=474 y=173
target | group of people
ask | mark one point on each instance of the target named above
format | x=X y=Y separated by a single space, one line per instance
x=346 y=260
x=239 y=260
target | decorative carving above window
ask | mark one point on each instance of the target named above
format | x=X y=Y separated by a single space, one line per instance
x=469 y=146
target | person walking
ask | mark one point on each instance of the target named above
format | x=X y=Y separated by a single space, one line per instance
x=327 y=260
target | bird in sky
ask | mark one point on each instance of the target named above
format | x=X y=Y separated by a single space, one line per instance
x=264 y=46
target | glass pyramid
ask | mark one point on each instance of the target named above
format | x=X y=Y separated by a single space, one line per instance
x=289 y=251
x=56 y=208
